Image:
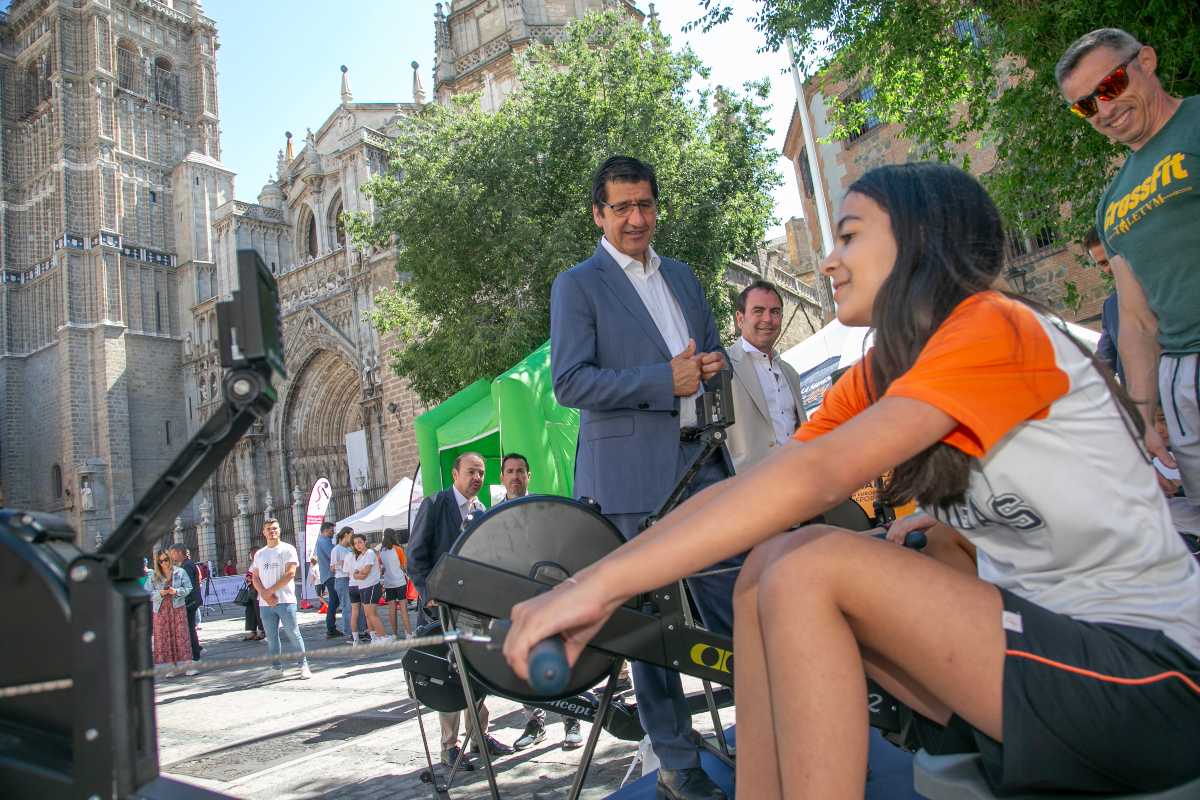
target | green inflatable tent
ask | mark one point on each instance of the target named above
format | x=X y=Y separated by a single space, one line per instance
x=516 y=412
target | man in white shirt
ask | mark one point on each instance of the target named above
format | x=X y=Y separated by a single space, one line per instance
x=515 y=475
x=767 y=407
x=274 y=574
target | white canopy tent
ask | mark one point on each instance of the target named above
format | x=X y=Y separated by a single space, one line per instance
x=389 y=511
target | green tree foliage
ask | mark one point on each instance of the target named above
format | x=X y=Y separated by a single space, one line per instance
x=489 y=207
x=958 y=75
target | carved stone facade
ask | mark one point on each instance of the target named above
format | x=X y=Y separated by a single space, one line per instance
x=118 y=237
x=338 y=384
x=476 y=41
x=109 y=167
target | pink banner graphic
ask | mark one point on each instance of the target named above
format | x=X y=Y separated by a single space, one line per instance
x=318 y=501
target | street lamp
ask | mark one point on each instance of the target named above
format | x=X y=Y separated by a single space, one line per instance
x=1017 y=278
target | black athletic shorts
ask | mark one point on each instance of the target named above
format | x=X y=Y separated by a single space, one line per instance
x=368 y=595
x=394 y=594
x=1091 y=707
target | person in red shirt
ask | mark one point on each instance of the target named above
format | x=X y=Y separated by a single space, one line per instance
x=229 y=569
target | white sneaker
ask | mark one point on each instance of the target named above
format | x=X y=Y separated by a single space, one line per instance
x=190 y=671
x=305 y=672
x=385 y=638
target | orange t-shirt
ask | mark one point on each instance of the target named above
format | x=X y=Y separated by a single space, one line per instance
x=990 y=366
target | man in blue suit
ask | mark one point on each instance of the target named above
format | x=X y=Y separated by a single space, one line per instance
x=632 y=339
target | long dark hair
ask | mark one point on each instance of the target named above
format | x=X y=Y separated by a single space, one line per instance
x=949 y=246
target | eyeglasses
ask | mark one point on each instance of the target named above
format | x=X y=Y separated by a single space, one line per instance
x=623 y=210
x=1109 y=87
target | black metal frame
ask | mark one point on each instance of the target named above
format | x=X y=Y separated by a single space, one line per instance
x=114 y=747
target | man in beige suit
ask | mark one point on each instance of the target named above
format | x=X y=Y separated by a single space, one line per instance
x=767 y=405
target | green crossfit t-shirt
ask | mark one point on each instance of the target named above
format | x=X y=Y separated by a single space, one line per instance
x=1150 y=216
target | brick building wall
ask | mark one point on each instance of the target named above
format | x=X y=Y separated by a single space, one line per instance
x=1038 y=265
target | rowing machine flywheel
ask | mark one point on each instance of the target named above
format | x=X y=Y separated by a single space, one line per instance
x=547 y=539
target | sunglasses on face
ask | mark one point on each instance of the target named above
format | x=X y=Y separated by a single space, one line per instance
x=1109 y=87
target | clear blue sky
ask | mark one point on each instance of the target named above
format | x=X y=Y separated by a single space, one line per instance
x=279 y=70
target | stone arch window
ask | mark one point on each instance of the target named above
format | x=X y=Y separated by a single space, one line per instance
x=306 y=234
x=337 y=229
x=37 y=82
x=166 y=83
x=129 y=73
x=56 y=484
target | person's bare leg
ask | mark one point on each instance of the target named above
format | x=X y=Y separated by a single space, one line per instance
x=835 y=591
x=757 y=765
x=395 y=621
x=374 y=625
x=354 y=609
x=402 y=607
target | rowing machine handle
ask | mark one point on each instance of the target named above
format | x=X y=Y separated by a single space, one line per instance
x=548 y=669
x=914 y=541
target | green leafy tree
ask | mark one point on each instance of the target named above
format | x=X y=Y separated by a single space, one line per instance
x=958 y=75
x=488 y=207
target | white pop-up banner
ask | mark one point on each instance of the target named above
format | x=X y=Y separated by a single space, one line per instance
x=318 y=501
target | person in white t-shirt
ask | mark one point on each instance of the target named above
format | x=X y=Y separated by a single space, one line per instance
x=274 y=573
x=395 y=581
x=365 y=587
x=341 y=579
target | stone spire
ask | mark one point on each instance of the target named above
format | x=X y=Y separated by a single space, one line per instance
x=289 y=153
x=347 y=95
x=418 y=89
x=443 y=66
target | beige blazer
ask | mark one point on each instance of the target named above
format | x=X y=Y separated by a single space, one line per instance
x=752 y=436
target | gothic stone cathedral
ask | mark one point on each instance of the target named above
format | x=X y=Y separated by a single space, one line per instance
x=119 y=230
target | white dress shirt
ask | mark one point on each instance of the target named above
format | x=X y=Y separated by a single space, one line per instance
x=465 y=506
x=663 y=308
x=775 y=389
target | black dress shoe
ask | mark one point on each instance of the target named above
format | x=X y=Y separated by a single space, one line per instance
x=691 y=783
x=451 y=755
x=496 y=748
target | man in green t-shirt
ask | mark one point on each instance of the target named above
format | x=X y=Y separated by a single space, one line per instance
x=1149 y=222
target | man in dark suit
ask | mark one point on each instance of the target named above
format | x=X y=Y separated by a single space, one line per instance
x=1110 y=313
x=179 y=555
x=438 y=523
x=631 y=340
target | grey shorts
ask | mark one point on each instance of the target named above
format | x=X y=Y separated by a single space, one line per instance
x=1179 y=393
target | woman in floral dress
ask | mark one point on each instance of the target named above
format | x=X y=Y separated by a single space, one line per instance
x=169 y=587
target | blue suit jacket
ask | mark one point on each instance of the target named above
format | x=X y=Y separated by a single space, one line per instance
x=437 y=525
x=1110 y=331
x=609 y=360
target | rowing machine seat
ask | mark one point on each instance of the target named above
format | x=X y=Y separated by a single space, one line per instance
x=959 y=776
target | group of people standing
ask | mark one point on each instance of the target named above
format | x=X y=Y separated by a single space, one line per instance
x=355 y=576
x=1053 y=623
x=440 y=519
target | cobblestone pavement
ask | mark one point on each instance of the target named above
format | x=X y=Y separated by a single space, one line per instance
x=349 y=733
